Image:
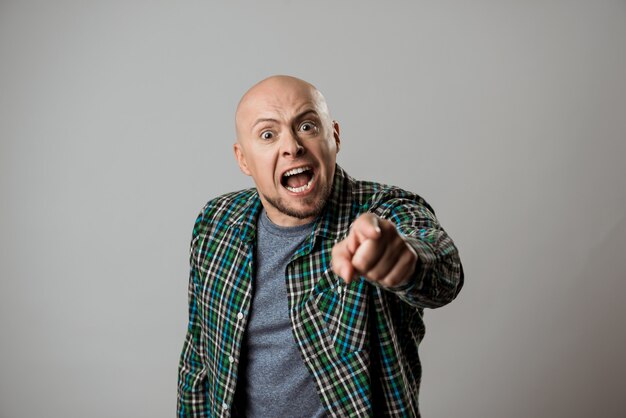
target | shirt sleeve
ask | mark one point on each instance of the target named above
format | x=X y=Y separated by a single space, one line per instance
x=438 y=276
x=192 y=380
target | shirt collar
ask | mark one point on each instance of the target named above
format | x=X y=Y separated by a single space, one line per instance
x=244 y=214
x=336 y=216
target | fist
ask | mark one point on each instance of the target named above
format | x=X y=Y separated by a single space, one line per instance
x=374 y=249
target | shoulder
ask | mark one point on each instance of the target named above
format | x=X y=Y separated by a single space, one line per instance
x=376 y=197
x=224 y=209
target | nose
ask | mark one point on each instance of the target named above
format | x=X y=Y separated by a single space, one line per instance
x=291 y=146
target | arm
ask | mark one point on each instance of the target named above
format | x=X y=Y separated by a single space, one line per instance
x=402 y=248
x=438 y=275
x=192 y=384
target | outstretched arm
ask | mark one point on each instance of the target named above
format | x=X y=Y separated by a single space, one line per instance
x=403 y=249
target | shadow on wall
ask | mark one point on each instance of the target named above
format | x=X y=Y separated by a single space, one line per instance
x=586 y=376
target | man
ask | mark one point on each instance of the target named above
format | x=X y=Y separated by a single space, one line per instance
x=306 y=293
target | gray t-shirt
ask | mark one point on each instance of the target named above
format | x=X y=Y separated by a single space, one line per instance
x=273 y=380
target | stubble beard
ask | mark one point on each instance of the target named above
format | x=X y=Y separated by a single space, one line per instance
x=318 y=204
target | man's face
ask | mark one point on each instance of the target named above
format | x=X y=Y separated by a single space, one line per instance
x=288 y=144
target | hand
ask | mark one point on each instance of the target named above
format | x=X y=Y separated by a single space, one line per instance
x=374 y=249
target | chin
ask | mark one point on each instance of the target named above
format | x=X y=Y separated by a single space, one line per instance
x=310 y=208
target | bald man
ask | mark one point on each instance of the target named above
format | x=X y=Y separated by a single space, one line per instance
x=306 y=293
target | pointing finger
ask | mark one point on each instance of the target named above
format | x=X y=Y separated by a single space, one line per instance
x=365 y=227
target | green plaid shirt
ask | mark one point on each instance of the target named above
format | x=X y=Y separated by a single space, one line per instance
x=359 y=341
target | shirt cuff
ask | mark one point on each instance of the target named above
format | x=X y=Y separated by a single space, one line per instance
x=426 y=258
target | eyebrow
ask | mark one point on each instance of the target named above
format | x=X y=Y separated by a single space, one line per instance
x=262 y=120
x=306 y=112
x=272 y=120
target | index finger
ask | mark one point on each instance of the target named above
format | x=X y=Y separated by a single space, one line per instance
x=366 y=227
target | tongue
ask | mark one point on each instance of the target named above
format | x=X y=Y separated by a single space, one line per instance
x=298 y=180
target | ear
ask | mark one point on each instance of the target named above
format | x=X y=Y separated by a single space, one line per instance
x=241 y=159
x=336 y=134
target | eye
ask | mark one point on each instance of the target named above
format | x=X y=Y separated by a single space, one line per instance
x=267 y=135
x=307 y=126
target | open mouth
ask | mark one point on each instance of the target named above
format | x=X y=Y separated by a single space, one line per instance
x=297 y=180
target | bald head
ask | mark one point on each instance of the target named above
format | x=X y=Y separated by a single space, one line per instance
x=277 y=93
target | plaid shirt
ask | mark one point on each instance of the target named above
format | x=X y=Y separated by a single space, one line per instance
x=359 y=341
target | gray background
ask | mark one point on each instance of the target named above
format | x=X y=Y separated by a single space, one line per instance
x=116 y=126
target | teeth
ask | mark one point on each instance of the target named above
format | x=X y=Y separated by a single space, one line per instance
x=296 y=171
x=301 y=188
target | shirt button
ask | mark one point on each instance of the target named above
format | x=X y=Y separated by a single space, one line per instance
x=231 y=359
x=339 y=289
x=225 y=405
x=240 y=316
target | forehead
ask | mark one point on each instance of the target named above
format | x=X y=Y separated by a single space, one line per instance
x=281 y=101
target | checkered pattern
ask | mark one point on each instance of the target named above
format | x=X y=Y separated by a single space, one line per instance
x=359 y=341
